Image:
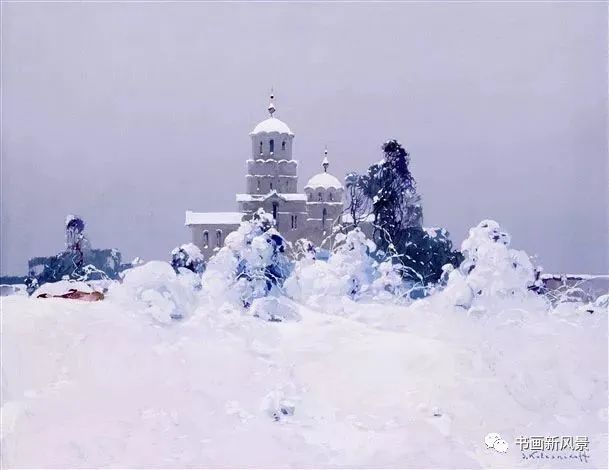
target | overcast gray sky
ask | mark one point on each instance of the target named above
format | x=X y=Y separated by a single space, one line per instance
x=129 y=114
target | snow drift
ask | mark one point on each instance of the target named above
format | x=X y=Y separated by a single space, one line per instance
x=175 y=370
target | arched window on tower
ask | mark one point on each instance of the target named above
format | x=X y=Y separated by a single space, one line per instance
x=258 y=185
x=271 y=185
x=206 y=239
x=260 y=148
x=283 y=145
x=324 y=215
x=330 y=197
x=271 y=145
x=320 y=197
x=218 y=238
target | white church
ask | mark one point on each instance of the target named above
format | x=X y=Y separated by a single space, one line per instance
x=271 y=183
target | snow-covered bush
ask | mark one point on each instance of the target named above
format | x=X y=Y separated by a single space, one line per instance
x=187 y=256
x=350 y=271
x=577 y=294
x=600 y=305
x=580 y=289
x=31 y=284
x=492 y=268
x=155 y=288
x=457 y=292
x=88 y=265
x=389 y=282
x=351 y=261
x=303 y=248
x=490 y=271
x=252 y=263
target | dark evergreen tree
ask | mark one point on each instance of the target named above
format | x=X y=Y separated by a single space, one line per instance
x=392 y=190
x=423 y=252
x=76 y=242
x=395 y=205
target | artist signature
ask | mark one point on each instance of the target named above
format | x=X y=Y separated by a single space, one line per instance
x=582 y=456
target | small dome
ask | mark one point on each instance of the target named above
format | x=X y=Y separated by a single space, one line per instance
x=324 y=180
x=272 y=125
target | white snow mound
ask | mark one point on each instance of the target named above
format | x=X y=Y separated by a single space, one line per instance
x=101 y=385
x=155 y=289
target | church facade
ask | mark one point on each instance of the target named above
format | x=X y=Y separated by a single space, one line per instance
x=271 y=183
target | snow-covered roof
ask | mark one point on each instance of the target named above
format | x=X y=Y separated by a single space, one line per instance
x=293 y=196
x=324 y=180
x=579 y=277
x=346 y=218
x=262 y=197
x=213 y=218
x=325 y=203
x=272 y=125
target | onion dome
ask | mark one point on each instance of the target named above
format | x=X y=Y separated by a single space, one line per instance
x=324 y=180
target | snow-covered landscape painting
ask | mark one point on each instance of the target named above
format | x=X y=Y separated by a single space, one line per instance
x=304 y=235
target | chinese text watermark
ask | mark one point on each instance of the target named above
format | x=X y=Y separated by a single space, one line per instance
x=554 y=447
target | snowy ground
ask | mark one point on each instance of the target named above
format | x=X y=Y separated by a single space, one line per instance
x=99 y=384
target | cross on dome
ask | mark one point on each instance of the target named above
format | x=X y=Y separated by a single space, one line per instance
x=272 y=124
x=271 y=107
x=324 y=180
x=325 y=163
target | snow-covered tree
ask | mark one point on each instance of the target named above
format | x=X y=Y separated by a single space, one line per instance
x=358 y=203
x=78 y=261
x=390 y=281
x=76 y=242
x=491 y=271
x=252 y=262
x=31 y=283
x=187 y=256
x=492 y=268
x=303 y=248
x=352 y=262
x=349 y=271
x=390 y=190
x=424 y=251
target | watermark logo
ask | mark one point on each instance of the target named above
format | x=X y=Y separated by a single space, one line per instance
x=554 y=447
x=494 y=441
